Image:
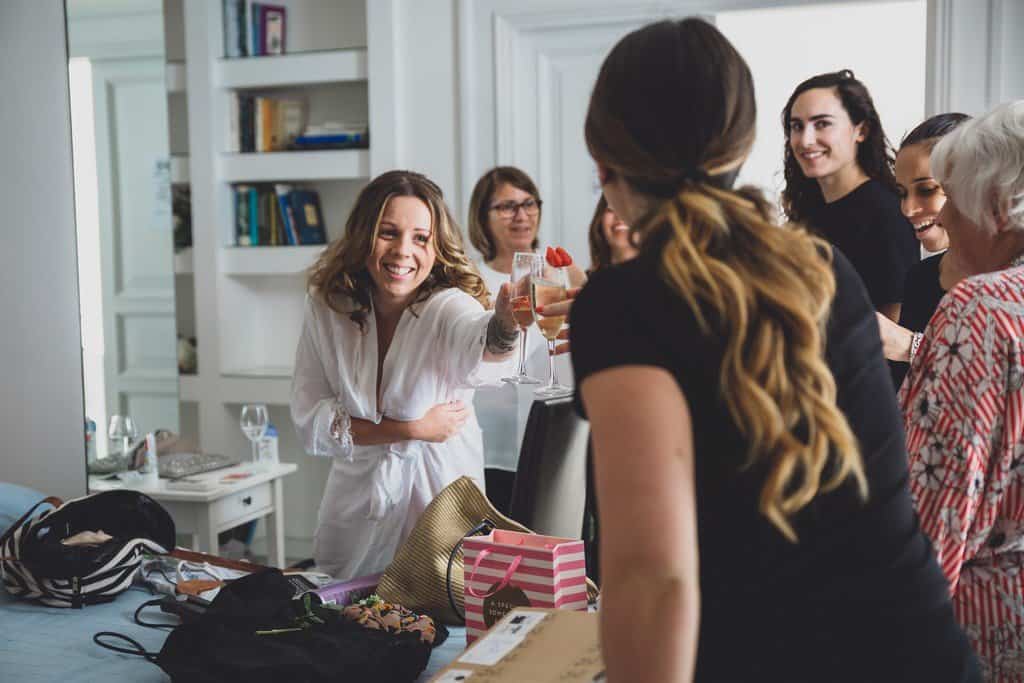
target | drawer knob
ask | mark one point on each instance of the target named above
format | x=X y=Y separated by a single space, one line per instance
x=247 y=500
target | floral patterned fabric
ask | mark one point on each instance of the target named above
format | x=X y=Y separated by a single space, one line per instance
x=963 y=407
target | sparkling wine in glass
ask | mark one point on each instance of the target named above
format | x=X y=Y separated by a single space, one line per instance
x=523 y=266
x=254 y=423
x=549 y=285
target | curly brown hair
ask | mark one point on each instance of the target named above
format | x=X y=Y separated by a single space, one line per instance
x=875 y=156
x=340 y=277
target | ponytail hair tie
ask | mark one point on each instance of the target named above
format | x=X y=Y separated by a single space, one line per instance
x=694 y=175
x=672 y=185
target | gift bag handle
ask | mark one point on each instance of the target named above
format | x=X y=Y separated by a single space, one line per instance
x=484 y=527
x=512 y=567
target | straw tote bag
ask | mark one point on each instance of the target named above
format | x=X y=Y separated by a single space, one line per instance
x=417 y=577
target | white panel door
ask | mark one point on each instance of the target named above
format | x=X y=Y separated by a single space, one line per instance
x=527 y=69
x=139 y=330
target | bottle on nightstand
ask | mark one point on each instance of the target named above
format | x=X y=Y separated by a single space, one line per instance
x=266 y=449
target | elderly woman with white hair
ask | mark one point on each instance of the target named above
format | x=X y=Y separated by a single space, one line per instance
x=963 y=401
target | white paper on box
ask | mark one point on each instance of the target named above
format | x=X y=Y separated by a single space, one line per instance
x=503 y=637
x=454 y=676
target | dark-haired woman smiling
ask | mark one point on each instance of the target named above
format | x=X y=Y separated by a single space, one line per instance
x=839 y=180
x=921 y=199
x=756 y=523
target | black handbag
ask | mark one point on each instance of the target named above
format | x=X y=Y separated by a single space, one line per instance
x=256 y=631
x=36 y=564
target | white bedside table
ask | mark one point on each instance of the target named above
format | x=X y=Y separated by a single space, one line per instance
x=232 y=500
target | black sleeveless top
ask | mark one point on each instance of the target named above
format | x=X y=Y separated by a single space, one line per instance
x=860 y=596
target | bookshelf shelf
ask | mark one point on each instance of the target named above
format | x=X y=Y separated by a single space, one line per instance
x=188 y=388
x=175 y=77
x=179 y=169
x=295 y=166
x=268 y=260
x=331 y=66
x=183 y=262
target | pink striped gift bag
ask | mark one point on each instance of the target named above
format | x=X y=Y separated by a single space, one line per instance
x=507 y=569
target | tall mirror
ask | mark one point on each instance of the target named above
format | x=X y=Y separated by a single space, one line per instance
x=124 y=216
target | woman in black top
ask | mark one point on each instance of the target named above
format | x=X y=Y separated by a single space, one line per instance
x=724 y=427
x=839 y=180
x=921 y=199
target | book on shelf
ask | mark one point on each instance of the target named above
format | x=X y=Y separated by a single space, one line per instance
x=253 y=29
x=272 y=29
x=333 y=136
x=277 y=215
x=264 y=124
x=240 y=194
x=234 y=12
x=309 y=221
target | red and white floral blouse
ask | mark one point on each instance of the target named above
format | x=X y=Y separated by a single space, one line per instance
x=963 y=408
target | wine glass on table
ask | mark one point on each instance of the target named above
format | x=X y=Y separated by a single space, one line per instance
x=524 y=264
x=254 y=423
x=122 y=432
x=550 y=285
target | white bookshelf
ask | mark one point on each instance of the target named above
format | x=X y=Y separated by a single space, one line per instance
x=188 y=389
x=183 y=262
x=295 y=166
x=175 y=77
x=179 y=169
x=270 y=261
x=249 y=300
x=333 y=66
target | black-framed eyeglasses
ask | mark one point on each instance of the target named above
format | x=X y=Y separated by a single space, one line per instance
x=508 y=210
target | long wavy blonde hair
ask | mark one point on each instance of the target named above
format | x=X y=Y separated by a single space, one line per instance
x=679 y=133
x=340 y=277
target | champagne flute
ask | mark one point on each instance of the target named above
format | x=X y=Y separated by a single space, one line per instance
x=549 y=285
x=524 y=264
x=254 y=425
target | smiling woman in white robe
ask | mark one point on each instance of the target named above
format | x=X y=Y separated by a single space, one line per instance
x=394 y=340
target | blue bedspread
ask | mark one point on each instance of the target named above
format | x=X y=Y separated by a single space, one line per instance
x=52 y=644
x=40 y=644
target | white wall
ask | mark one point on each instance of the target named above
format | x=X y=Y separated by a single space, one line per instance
x=41 y=410
x=979 y=62
x=804 y=43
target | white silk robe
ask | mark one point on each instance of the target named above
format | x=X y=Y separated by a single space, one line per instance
x=375 y=494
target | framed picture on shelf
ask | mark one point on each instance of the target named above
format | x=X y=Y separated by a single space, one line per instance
x=272 y=29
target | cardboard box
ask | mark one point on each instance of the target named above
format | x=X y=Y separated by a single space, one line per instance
x=536 y=645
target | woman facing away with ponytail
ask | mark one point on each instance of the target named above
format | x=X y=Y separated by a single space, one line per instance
x=751 y=473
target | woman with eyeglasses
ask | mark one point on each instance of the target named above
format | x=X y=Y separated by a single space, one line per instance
x=504 y=218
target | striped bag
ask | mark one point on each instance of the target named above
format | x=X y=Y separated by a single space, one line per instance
x=37 y=564
x=507 y=569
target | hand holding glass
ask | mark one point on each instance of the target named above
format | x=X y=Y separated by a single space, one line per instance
x=549 y=285
x=523 y=266
x=254 y=425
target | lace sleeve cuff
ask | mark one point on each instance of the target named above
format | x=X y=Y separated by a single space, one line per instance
x=331 y=432
x=341 y=430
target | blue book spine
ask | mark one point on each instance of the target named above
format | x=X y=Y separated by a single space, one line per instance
x=282 y=201
x=328 y=139
x=255 y=17
x=254 y=220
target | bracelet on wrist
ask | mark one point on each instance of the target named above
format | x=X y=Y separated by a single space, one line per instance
x=915 y=343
